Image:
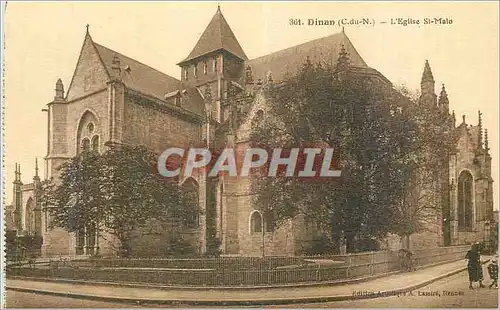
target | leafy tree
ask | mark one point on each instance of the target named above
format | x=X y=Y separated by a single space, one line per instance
x=425 y=200
x=77 y=199
x=120 y=191
x=369 y=125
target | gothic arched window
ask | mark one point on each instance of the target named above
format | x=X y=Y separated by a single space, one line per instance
x=95 y=143
x=30 y=217
x=465 y=203
x=88 y=129
x=256 y=222
x=85 y=145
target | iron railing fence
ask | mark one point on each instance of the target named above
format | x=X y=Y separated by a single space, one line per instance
x=235 y=271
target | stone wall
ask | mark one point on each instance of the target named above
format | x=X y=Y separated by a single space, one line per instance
x=156 y=129
x=90 y=74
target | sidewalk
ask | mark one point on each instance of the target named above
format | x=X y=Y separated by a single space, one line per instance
x=385 y=286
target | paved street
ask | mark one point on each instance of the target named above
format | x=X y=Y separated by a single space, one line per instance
x=477 y=298
x=457 y=284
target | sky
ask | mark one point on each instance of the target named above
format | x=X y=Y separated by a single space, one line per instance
x=43 y=41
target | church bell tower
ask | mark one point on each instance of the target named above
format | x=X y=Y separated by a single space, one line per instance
x=215 y=61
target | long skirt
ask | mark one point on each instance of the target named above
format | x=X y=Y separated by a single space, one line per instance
x=475 y=272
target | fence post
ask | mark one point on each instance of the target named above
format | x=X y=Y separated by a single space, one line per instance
x=348 y=266
x=372 y=262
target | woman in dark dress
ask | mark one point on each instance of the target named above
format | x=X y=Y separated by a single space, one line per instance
x=474 y=266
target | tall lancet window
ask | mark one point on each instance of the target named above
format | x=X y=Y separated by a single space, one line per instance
x=85 y=146
x=30 y=217
x=256 y=222
x=216 y=64
x=95 y=143
x=465 y=203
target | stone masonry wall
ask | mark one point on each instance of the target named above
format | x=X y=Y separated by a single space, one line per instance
x=155 y=129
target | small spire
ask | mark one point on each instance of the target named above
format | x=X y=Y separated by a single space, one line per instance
x=443 y=99
x=15 y=172
x=343 y=59
x=480 y=130
x=343 y=30
x=463 y=118
x=218 y=7
x=115 y=66
x=486 y=140
x=443 y=91
x=87 y=26
x=427 y=75
x=36 y=167
x=59 y=90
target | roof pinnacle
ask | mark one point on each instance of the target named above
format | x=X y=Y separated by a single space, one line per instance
x=427 y=75
x=486 y=140
x=443 y=98
x=480 y=131
x=343 y=59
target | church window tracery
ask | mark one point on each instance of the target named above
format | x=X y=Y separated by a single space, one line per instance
x=85 y=146
x=95 y=143
x=465 y=203
x=30 y=217
x=256 y=222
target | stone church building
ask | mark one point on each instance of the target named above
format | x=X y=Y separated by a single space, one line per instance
x=112 y=97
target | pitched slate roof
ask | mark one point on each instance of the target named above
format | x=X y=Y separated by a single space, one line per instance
x=325 y=50
x=149 y=81
x=140 y=77
x=217 y=36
